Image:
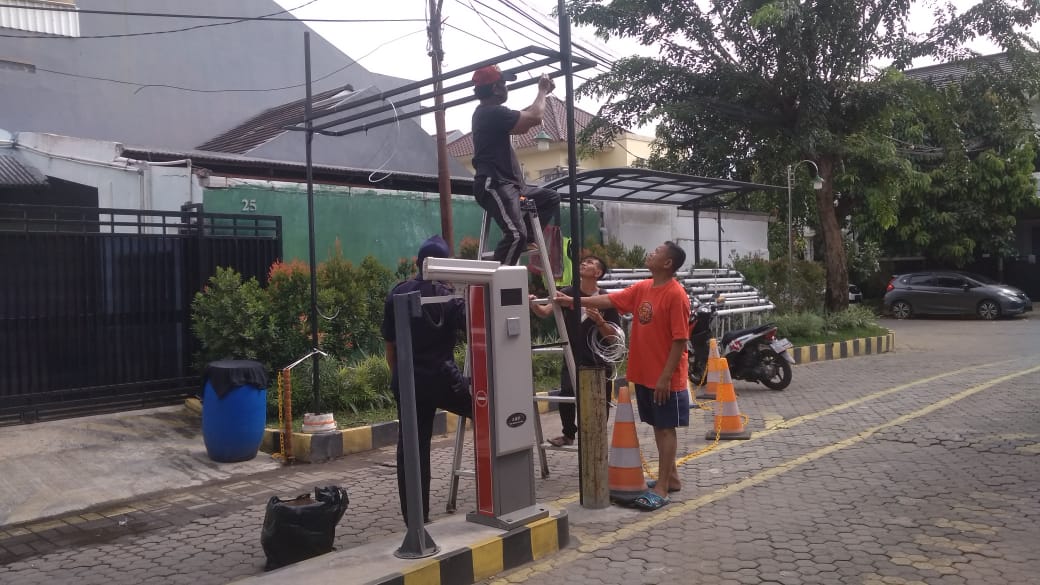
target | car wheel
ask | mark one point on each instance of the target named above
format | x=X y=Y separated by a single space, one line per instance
x=988 y=310
x=901 y=310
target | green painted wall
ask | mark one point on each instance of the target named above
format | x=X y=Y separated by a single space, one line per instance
x=389 y=225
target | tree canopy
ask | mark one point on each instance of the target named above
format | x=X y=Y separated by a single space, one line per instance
x=744 y=88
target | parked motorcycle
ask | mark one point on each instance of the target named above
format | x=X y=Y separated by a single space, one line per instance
x=754 y=354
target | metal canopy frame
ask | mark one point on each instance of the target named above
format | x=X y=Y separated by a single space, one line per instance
x=381 y=105
x=633 y=185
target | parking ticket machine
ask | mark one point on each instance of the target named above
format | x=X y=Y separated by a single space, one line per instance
x=499 y=332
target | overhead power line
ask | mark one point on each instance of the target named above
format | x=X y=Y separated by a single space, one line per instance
x=140 y=86
x=156 y=32
x=208 y=16
x=538 y=38
x=548 y=41
x=600 y=47
x=597 y=55
x=503 y=47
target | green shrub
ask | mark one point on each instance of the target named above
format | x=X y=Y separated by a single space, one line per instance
x=546 y=367
x=288 y=290
x=856 y=316
x=618 y=255
x=302 y=377
x=468 y=248
x=799 y=325
x=369 y=385
x=364 y=385
x=807 y=282
x=406 y=269
x=754 y=269
x=230 y=319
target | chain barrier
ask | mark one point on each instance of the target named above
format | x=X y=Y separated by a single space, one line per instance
x=704 y=405
x=285 y=416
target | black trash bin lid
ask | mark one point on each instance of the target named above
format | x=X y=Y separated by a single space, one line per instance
x=226 y=375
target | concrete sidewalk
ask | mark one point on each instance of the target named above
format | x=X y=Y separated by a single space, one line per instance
x=51 y=468
x=95 y=489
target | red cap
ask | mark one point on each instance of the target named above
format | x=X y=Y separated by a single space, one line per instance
x=490 y=75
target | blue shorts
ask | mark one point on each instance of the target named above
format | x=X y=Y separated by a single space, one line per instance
x=675 y=412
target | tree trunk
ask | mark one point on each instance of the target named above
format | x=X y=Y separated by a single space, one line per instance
x=834 y=261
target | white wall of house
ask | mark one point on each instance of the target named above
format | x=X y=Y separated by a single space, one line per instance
x=648 y=225
x=121 y=183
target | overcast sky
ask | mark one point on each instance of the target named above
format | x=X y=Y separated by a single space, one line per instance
x=478 y=39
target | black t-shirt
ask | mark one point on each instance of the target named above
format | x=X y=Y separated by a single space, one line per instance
x=434 y=334
x=493 y=154
x=585 y=330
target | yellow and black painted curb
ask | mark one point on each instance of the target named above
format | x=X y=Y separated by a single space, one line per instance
x=318 y=447
x=475 y=563
x=315 y=448
x=843 y=349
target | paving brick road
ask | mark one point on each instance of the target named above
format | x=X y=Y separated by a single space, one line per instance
x=920 y=466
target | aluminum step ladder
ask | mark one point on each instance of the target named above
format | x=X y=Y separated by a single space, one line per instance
x=562 y=346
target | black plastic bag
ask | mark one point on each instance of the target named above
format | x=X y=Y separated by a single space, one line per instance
x=302 y=527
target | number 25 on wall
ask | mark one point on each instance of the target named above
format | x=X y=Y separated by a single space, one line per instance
x=249 y=205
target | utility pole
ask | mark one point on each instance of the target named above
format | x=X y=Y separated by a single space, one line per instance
x=443 y=177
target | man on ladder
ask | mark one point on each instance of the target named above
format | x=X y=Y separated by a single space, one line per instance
x=498 y=184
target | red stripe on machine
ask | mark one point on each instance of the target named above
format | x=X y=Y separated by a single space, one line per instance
x=481 y=402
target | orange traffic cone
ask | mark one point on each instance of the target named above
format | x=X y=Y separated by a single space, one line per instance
x=713 y=376
x=729 y=423
x=625 y=466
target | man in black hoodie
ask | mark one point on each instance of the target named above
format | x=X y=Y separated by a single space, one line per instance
x=439 y=384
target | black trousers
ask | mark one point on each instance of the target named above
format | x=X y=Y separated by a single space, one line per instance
x=430 y=395
x=569 y=412
x=502 y=202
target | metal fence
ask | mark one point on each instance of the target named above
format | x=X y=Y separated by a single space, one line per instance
x=95 y=303
x=744 y=307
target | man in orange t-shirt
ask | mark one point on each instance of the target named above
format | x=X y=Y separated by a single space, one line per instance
x=657 y=357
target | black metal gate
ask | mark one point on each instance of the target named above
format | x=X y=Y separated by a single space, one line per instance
x=95 y=303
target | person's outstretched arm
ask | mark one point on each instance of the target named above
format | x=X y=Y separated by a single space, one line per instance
x=543 y=310
x=594 y=301
x=531 y=116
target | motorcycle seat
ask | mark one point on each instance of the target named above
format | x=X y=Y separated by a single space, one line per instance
x=731 y=335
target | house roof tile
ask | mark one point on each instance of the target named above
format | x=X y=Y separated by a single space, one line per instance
x=944 y=74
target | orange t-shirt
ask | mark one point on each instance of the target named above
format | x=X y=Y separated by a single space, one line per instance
x=661 y=315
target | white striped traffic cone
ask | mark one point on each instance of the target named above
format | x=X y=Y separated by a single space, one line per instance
x=625 y=465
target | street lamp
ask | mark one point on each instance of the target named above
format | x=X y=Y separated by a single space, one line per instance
x=542 y=140
x=817 y=184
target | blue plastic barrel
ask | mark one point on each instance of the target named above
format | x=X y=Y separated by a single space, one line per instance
x=234 y=410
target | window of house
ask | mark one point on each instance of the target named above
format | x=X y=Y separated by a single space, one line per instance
x=19 y=15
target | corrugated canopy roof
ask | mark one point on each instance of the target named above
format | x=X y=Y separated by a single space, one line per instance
x=272 y=122
x=16 y=173
x=629 y=185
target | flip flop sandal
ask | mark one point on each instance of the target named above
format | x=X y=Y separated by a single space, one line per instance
x=650 y=502
x=653 y=482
